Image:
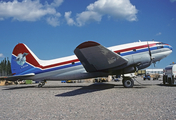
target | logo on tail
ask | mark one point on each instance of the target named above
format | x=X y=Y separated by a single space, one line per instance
x=21 y=58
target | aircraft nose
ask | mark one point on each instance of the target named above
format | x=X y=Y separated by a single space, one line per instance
x=170 y=47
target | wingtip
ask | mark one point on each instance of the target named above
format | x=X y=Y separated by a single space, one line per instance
x=87 y=44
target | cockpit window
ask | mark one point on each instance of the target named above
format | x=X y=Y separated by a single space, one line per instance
x=164 y=43
x=159 y=47
x=161 y=43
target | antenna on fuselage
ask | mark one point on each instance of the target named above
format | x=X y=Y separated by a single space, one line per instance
x=139 y=40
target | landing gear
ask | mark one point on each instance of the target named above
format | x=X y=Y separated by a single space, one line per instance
x=41 y=84
x=128 y=82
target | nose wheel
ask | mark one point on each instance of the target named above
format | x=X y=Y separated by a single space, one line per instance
x=128 y=82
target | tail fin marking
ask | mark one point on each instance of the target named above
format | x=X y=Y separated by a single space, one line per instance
x=23 y=60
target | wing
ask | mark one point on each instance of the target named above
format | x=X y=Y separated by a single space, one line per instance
x=95 y=57
x=17 y=77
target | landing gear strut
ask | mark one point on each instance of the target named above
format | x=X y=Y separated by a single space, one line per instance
x=128 y=82
x=41 y=84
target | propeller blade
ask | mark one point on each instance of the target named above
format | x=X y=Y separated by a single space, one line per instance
x=149 y=51
x=154 y=64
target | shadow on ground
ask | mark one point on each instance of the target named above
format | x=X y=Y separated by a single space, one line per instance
x=166 y=85
x=76 y=89
x=95 y=88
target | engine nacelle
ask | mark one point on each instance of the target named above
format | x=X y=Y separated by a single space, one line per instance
x=129 y=70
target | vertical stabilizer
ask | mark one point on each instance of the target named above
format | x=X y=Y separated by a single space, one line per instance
x=23 y=60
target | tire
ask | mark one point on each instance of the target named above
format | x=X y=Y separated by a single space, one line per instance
x=164 y=81
x=40 y=85
x=128 y=83
x=169 y=81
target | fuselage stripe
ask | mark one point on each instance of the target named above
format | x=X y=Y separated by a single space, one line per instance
x=76 y=62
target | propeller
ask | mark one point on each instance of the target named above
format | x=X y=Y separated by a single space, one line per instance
x=151 y=58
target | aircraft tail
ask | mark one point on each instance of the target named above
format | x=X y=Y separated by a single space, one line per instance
x=23 y=60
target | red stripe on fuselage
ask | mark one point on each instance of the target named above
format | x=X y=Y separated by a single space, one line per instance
x=58 y=64
x=77 y=60
x=132 y=48
x=21 y=48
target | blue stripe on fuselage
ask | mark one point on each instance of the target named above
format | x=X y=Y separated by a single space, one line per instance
x=38 y=70
x=143 y=50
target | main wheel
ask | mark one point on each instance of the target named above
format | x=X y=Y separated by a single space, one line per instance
x=40 y=85
x=128 y=83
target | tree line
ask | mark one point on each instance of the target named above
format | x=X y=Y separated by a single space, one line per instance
x=5 y=67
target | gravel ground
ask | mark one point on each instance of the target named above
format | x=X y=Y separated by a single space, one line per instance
x=86 y=101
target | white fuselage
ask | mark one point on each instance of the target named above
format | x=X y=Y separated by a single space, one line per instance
x=70 y=67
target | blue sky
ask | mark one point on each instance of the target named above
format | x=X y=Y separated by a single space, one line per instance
x=54 y=28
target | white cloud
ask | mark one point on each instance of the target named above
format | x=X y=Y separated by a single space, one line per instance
x=88 y=16
x=28 y=10
x=53 y=21
x=69 y=20
x=173 y=1
x=57 y=3
x=118 y=9
x=1 y=55
x=34 y=10
x=158 y=34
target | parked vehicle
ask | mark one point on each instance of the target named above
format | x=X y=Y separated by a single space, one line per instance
x=63 y=81
x=169 y=76
x=101 y=79
x=147 y=76
x=156 y=76
x=116 y=79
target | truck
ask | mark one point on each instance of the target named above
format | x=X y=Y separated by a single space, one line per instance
x=147 y=76
x=169 y=76
x=156 y=76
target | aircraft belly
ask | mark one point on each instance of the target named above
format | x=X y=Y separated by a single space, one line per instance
x=79 y=74
x=56 y=73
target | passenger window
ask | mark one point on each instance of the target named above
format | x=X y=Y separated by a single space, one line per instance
x=134 y=50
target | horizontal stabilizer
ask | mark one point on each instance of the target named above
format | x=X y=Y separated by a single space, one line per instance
x=17 y=77
x=94 y=57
